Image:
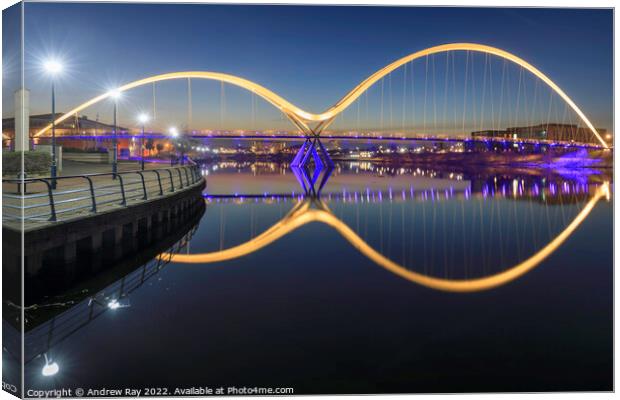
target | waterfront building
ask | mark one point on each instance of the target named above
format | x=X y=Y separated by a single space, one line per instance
x=552 y=131
x=78 y=125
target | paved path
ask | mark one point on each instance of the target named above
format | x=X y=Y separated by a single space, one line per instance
x=80 y=168
x=73 y=196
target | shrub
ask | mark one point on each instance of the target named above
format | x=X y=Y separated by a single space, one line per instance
x=35 y=162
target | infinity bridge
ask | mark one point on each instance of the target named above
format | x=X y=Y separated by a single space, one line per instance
x=311 y=124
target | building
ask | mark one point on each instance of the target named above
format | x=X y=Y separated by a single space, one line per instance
x=77 y=125
x=552 y=132
x=490 y=133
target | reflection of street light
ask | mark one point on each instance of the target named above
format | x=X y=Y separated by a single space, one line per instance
x=114 y=304
x=53 y=68
x=115 y=94
x=142 y=118
x=121 y=302
x=50 y=368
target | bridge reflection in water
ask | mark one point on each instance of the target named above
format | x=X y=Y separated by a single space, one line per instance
x=302 y=214
x=310 y=206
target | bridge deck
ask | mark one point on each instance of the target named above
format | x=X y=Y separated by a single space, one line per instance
x=384 y=137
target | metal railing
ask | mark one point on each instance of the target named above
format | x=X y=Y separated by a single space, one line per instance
x=36 y=200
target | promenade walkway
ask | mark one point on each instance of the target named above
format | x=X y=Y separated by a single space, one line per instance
x=83 y=189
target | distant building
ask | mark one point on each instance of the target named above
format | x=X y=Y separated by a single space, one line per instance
x=490 y=133
x=552 y=131
x=76 y=125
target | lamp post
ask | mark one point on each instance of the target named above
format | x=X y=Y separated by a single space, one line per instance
x=53 y=67
x=115 y=94
x=143 y=118
x=174 y=132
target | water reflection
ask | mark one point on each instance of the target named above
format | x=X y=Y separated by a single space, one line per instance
x=508 y=240
x=314 y=209
x=256 y=179
x=40 y=341
x=328 y=271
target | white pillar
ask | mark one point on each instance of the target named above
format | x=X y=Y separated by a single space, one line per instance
x=22 y=119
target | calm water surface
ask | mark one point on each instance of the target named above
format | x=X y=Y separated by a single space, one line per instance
x=360 y=288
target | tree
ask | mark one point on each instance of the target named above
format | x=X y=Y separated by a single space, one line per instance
x=149 y=145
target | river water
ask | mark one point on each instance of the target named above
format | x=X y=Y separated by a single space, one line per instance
x=364 y=279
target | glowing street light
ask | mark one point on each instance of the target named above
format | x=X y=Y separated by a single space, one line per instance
x=143 y=119
x=115 y=94
x=53 y=68
x=50 y=368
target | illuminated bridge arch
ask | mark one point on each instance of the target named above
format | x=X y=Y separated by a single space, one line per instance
x=328 y=116
x=302 y=214
x=301 y=117
x=295 y=114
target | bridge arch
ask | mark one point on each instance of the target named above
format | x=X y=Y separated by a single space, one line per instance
x=295 y=114
x=330 y=114
x=301 y=215
x=301 y=117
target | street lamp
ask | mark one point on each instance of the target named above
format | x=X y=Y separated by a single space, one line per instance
x=174 y=132
x=53 y=68
x=115 y=94
x=142 y=118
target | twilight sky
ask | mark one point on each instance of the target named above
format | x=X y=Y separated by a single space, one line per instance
x=309 y=55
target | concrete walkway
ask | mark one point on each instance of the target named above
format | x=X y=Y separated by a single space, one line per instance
x=70 y=168
x=73 y=197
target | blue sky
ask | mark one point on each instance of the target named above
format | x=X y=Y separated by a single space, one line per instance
x=311 y=55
